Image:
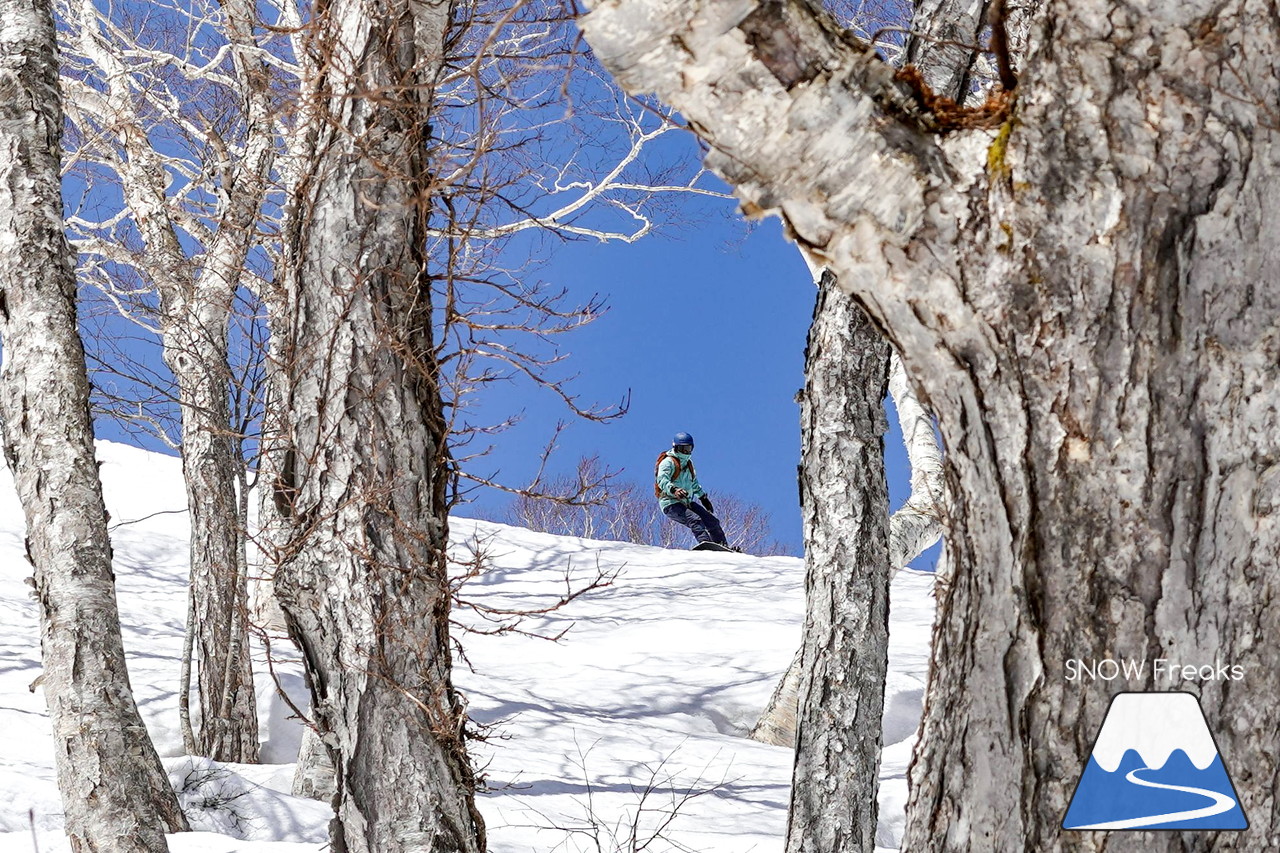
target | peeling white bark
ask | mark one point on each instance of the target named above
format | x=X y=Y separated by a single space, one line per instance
x=917 y=524
x=1085 y=297
x=115 y=794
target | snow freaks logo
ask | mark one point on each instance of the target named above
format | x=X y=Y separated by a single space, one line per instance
x=1155 y=766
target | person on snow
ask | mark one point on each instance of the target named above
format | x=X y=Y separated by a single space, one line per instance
x=677 y=489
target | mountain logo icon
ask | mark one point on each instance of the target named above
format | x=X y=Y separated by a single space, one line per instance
x=1155 y=765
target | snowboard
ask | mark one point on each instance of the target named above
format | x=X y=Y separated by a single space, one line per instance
x=714 y=546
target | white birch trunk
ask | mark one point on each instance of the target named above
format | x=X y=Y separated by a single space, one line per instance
x=1086 y=296
x=917 y=524
x=950 y=44
x=944 y=32
x=315 y=775
x=362 y=576
x=777 y=723
x=196 y=350
x=844 y=656
x=115 y=793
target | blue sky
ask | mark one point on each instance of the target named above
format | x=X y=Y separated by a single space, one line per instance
x=706 y=330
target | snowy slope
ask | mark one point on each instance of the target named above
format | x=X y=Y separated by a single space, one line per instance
x=642 y=702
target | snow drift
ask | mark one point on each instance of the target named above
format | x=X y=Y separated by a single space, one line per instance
x=639 y=711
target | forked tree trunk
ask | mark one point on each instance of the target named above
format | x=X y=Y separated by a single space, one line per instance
x=115 y=793
x=195 y=301
x=362 y=577
x=844 y=656
x=213 y=467
x=1085 y=292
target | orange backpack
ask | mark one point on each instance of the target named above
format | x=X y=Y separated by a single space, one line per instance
x=676 y=473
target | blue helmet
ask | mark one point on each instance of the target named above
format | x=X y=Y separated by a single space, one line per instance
x=682 y=438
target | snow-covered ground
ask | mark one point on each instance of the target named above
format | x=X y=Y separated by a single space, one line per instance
x=642 y=704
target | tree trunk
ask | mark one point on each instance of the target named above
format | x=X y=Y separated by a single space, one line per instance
x=1085 y=293
x=915 y=526
x=954 y=49
x=314 y=778
x=844 y=657
x=945 y=35
x=777 y=723
x=212 y=461
x=362 y=578
x=196 y=351
x=115 y=792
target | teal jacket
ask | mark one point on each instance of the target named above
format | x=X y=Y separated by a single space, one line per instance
x=686 y=480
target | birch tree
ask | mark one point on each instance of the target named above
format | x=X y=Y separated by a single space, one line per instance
x=1077 y=272
x=916 y=525
x=845 y=506
x=828 y=704
x=115 y=793
x=130 y=95
x=362 y=575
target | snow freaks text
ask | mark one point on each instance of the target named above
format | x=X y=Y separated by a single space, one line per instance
x=1162 y=670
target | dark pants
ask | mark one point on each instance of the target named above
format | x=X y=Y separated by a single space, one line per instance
x=697 y=518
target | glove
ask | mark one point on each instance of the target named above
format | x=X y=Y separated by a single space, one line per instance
x=706 y=501
x=680 y=493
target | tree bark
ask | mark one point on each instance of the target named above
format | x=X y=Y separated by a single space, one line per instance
x=844 y=656
x=954 y=49
x=1085 y=295
x=115 y=793
x=314 y=778
x=196 y=350
x=362 y=576
x=213 y=466
x=946 y=35
x=777 y=723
